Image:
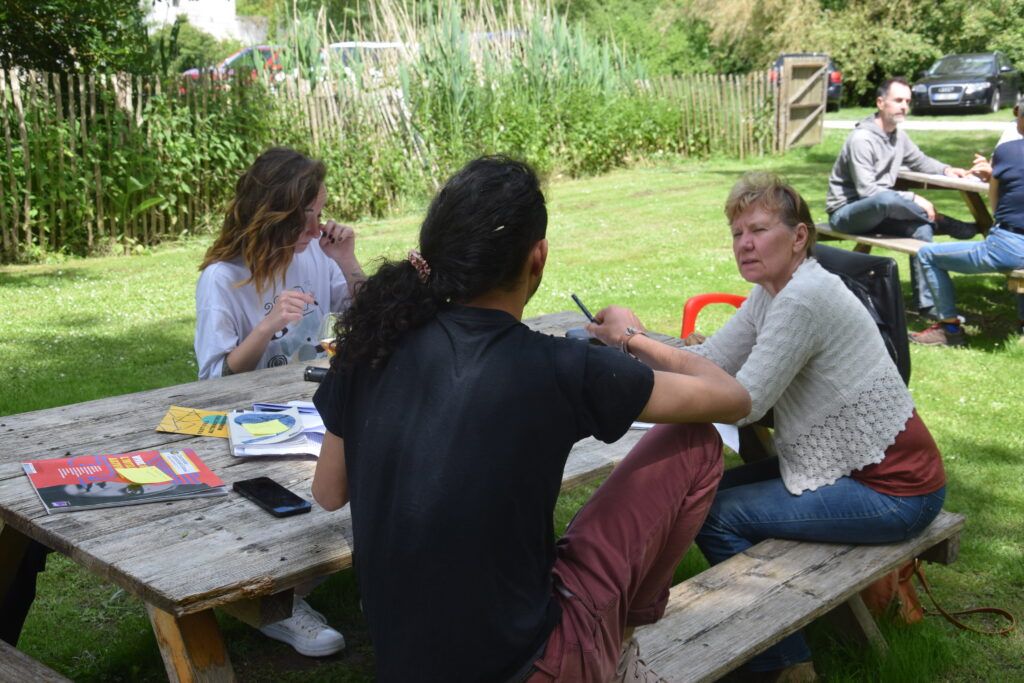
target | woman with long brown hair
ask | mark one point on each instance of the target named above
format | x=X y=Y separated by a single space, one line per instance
x=267 y=282
x=274 y=271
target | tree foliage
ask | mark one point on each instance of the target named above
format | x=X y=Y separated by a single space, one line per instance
x=73 y=35
x=869 y=40
x=180 y=46
x=665 y=34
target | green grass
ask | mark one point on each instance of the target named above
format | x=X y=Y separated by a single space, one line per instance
x=647 y=238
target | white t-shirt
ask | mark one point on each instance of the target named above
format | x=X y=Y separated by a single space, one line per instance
x=227 y=313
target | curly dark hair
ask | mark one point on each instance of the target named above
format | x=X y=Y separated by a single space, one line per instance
x=475 y=238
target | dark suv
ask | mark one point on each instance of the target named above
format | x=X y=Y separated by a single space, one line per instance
x=835 y=78
x=959 y=82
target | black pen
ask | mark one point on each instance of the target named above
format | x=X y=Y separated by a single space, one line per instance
x=583 y=308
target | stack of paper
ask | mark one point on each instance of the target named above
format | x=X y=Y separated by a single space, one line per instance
x=276 y=429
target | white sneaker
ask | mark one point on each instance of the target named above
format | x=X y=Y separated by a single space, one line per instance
x=307 y=631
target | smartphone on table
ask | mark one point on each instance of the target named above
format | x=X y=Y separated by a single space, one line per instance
x=272 y=497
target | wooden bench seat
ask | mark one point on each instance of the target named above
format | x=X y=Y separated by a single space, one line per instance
x=905 y=245
x=15 y=665
x=722 y=617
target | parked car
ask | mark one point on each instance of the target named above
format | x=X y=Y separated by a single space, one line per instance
x=834 y=76
x=245 y=65
x=362 y=51
x=958 y=82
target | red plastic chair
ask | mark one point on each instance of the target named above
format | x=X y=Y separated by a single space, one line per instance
x=695 y=303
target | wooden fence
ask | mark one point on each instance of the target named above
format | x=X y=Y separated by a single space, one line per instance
x=88 y=161
x=99 y=163
x=735 y=115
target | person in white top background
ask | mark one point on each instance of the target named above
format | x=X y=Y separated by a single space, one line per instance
x=271 y=276
x=274 y=271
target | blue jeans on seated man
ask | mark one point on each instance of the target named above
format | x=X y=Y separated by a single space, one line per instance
x=752 y=505
x=889 y=213
x=1002 y=250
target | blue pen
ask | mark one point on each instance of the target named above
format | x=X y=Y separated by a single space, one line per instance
x=583 y=308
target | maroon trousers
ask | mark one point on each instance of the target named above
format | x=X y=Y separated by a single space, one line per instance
x=615 y=563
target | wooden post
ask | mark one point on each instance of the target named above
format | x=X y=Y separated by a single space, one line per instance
x=13 y=544
x=854 y=622
x=60 y=226
x=8 y=225
x=26 y=164
x=97 y=174
x=191 y=646
x=144 y=217
x=161 y=231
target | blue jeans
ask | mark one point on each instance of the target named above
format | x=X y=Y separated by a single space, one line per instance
x=890 y=214
x=752 y=505
x=1002 y=250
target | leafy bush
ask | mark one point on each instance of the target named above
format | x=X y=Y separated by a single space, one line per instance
x=123 y=163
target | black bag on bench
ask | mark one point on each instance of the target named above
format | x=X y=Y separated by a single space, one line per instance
x=875 y=281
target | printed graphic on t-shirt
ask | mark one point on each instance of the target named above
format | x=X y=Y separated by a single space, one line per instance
x=296 y=342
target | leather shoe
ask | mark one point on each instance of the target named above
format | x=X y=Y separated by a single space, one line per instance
x=944 y=225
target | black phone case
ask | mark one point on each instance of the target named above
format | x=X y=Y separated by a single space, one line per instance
x=285 y=503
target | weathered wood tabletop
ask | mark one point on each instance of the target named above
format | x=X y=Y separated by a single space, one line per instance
x=973 y=191
x=184 y=557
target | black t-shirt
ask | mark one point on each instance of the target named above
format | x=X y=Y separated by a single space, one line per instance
x=455 y=451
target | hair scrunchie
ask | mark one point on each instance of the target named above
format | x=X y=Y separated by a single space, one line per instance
x=420 y=265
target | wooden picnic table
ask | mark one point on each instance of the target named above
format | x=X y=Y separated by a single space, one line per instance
x=184 y=558
x=973 y=190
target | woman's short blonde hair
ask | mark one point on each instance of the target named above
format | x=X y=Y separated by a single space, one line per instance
x=774 y=195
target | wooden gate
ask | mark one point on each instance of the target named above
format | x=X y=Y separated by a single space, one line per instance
x=803 y=92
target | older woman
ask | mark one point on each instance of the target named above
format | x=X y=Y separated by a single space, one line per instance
x=855 y=462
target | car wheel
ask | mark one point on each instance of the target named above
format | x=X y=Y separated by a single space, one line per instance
x=994 y=103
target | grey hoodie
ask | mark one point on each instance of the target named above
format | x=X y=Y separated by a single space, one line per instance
x=869 y=162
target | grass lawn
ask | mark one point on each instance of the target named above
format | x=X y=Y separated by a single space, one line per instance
x=646 y=238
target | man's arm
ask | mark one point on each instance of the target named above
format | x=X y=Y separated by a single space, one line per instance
x=695 y=390
x=330 y=479
x=687 y=387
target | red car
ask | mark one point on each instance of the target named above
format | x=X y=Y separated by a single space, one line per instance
x=246 y=65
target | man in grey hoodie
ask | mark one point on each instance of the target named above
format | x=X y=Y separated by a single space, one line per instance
x=860 y=195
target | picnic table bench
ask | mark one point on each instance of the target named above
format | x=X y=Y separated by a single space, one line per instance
x=973 y=191
x=16 y=667
x=975 y=195
x=905 y=245
x=725 y=615
x=185 y=558
x=233 y=558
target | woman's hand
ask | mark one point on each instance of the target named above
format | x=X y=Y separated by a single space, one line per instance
x=982 y=168
x=288 y=309
x=338 y=241
x=610 y=325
